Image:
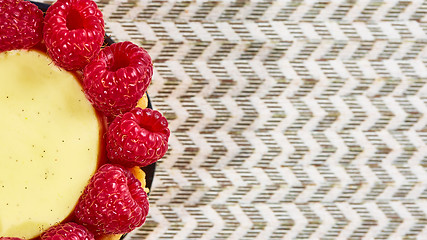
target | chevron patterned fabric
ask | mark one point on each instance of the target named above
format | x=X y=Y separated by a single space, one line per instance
x=289 y=119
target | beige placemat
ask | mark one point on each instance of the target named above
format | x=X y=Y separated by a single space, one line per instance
x=289 y=119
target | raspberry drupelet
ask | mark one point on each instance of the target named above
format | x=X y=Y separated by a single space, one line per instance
x=113 y=202
x=21 y=25
x=73 y=32
x=118 y=78
x=67 y=231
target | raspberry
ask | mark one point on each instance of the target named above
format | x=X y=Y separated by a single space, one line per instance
x=67 y=231
x=117 y=78
x=73 y=32
x=113 y=202
x=137 y=138
x=21 y=25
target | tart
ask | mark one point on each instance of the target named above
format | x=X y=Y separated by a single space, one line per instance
x=62 y=164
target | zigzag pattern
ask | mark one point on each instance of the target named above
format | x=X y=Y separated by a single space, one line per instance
x=289 y=119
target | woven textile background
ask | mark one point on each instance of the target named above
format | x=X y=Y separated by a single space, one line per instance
x=289 y=119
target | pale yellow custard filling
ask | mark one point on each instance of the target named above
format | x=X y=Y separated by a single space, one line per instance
x=49 y=143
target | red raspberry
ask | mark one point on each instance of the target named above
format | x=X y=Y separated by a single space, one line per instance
x=117 y=79
x=113 y=202
x=67 y=231
x=21 y=25
x=137 y=138
x=73 y=32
